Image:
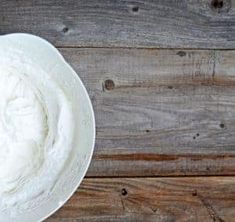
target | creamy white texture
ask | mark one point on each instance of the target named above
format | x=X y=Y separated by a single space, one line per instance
x=23 y=131
x=36 y=132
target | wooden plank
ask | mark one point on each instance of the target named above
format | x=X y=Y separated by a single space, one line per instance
x=128 y=23
x=151 y=199
x=162 y=112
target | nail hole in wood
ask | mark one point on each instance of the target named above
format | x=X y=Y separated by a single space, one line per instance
x=147 y=131
x=181 y=53
x=198 y=134
x=154 y=210
x=109 y=84
x=217 y=4
x=65 y=29
x=194 y=137
x=222 y=125
x=124 y=192
x=194 y=193
x=170 y=87
x=135 y=9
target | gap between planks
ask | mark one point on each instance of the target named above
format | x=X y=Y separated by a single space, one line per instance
x=162 y=176
x=142 y=48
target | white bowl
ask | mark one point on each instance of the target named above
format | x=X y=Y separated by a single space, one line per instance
x=48 y=57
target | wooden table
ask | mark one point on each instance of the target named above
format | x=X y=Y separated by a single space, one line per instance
x=161 y=76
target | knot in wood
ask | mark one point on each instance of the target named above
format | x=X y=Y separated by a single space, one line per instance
x=109 y=84
x=124 y=192
x=217 y=4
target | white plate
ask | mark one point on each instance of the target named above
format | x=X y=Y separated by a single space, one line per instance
x=48 y=57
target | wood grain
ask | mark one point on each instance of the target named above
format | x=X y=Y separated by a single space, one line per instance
x=124 y=23
x=151 y=199
x=161 y=112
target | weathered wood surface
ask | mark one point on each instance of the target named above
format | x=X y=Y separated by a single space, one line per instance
x=158 y=112
x=162 y=112
x=124 y=23
x=152 y=199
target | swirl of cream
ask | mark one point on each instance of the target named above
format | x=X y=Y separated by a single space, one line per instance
x=23 y=131
x=36 y=133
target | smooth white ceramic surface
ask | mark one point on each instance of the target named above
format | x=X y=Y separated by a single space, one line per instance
x=49 y=58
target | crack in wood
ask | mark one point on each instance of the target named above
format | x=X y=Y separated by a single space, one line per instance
x=211 y=211
x=123 y=206
x=214 y=65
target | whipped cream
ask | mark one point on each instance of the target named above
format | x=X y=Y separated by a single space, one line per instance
x=36 y=132
x=23 y=131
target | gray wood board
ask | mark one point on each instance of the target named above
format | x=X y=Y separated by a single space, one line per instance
x=151 y=199
x=124 y=23
x=162 y=112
